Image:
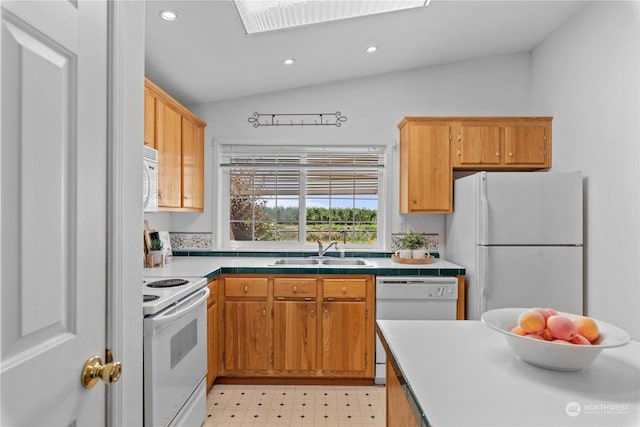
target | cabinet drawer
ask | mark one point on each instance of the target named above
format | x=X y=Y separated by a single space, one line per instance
x=294 y=288
x=213 y=292
x=245 y=287
x=345 y=288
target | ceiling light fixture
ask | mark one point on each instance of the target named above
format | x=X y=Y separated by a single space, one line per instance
x=169 y=15
x=288 y=61
x=371 y=49
x=260 y=15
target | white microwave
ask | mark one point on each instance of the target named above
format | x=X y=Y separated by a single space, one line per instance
x=150 y=180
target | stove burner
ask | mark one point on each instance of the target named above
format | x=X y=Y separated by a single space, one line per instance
x=149 y=298
x=168 y=283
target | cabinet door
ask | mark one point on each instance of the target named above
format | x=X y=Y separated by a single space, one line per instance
x=525 y=145
x=294 y=335
x=344 y=337
x=149 y=118
x=169 y=145
x=477 y=145
x=212 y=334
x=246 y=335
x=192 y=165
x=425 y=168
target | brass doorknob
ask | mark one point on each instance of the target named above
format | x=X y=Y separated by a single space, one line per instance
x=94 y=370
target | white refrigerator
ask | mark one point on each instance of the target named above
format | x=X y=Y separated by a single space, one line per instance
x=519 y=237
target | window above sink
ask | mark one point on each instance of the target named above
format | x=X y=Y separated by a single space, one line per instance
x=289 y=196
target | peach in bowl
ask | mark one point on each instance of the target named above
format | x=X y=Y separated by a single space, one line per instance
x=554 y=340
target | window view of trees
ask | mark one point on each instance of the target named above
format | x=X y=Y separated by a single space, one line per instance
x=253 y=219
x=339 y=194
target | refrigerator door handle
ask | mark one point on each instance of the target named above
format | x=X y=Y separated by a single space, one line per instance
x=482 y=279
x=484 y=210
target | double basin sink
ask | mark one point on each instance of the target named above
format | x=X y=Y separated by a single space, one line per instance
x=328 y=262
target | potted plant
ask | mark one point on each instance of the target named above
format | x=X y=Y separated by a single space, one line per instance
x=156 y=250
x=415 y=243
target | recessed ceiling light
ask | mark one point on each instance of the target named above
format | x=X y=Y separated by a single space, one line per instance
x=169 y=15
x=371 y=49
x=288 y=61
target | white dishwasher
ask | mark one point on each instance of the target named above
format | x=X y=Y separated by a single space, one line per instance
x=412 y=298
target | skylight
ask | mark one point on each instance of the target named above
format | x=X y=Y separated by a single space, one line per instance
x=268 y=15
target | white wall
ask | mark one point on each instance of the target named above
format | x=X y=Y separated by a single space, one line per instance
x=373 y=106
x=586 y=75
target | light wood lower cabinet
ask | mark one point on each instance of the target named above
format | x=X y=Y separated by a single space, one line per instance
x=399 y=412
x=307 y=326
x=295 y=334
x=344 y=338
x=212 y=333
x=247 y=316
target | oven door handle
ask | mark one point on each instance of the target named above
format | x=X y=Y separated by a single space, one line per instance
x=181 y=309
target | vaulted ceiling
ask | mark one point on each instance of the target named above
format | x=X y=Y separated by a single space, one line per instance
x=205 y=55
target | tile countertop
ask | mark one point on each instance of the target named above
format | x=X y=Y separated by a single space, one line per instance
x=461 y=373
x=210 y=266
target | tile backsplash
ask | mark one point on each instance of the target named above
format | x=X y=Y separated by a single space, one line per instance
x=432 y=241
x=191 y=241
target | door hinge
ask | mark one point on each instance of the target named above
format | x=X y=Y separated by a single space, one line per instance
x=224 y=357
x=366 y=314
x=272 y=312
x=366 y=358
x=271 y=357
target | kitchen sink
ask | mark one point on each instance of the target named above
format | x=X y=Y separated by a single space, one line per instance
x=322 y=262
x=345 y=261
x=296 y=261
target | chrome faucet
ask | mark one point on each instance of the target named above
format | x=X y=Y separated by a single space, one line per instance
x=322 y=250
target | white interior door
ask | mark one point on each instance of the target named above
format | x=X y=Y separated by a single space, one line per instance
x=53 y=212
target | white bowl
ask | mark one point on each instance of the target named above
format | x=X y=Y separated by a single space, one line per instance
x=548 y=354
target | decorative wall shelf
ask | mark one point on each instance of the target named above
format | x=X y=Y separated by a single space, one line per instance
x=306 y=119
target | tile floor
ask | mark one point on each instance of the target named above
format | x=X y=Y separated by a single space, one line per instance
x=290 y=405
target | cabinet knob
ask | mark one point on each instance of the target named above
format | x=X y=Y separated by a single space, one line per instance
x=326 y=311
x=295 y=289
x=344 y=289
x=510 y=154
x=459 y=137
x=312 y=312
x=459 y=152
x=246 y=288
x=497 y=154
x=414 y=200
x=264 y=312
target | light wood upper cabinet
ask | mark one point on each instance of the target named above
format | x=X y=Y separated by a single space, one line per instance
x=169 y=146
x=149 y=119
x=425 y=166
x=192 y=165
x=517 y=143
x=178 y=135
x=431 y=148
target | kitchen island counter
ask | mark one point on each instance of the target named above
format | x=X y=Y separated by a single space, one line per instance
x=461 y=373
x=210 y=266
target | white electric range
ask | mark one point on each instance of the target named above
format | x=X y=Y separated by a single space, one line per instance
x=161 y=292
x=175 y=351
